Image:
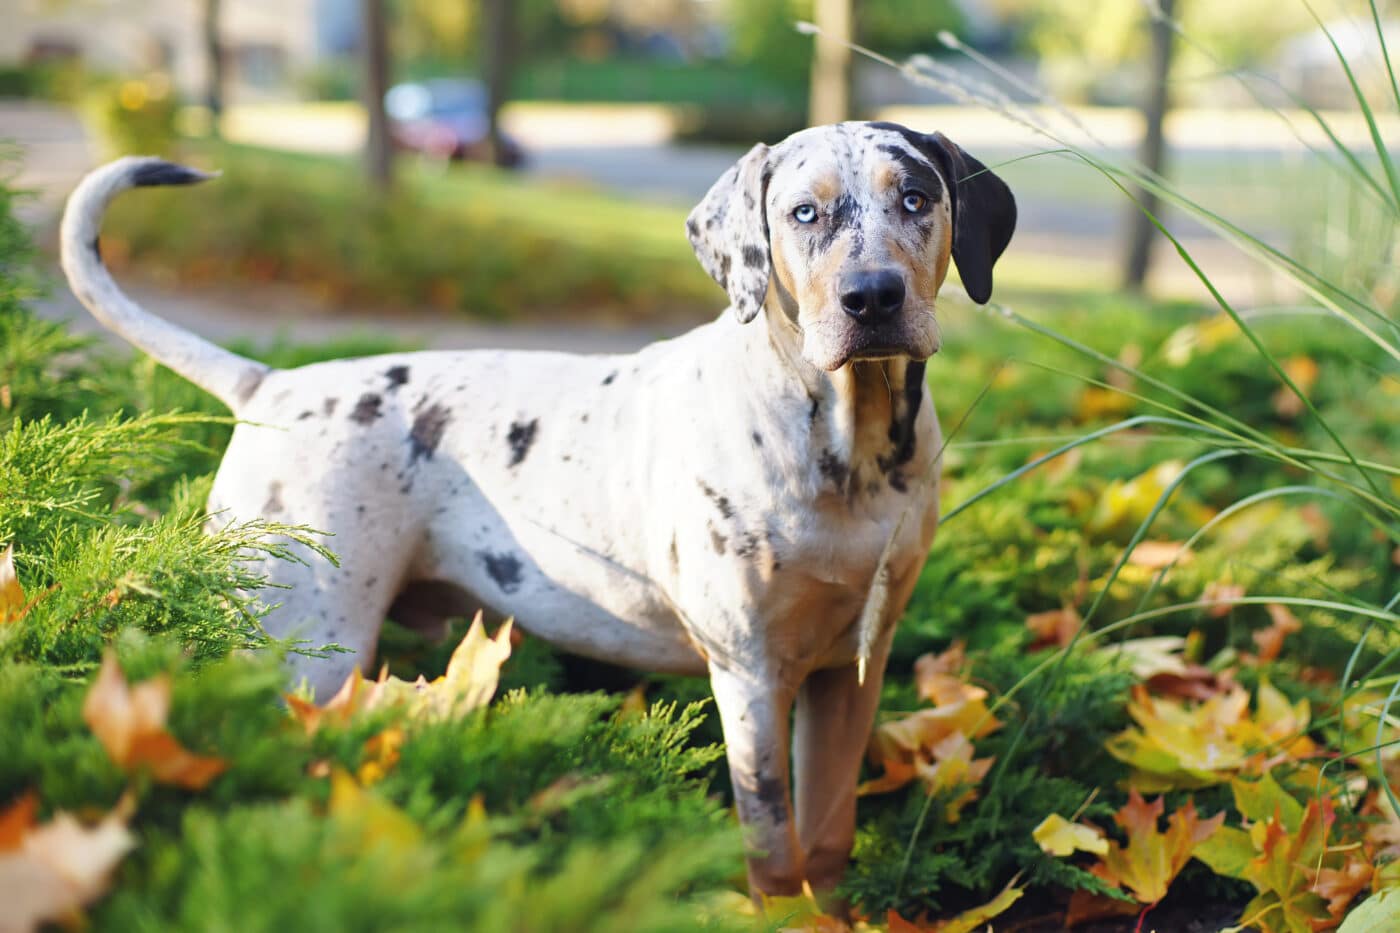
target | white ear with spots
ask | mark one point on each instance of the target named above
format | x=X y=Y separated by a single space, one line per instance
x=729 y=232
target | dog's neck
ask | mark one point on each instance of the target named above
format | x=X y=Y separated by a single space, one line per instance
x=862 y=416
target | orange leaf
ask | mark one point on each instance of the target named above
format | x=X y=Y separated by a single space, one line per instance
x=50 y=871
x=1270 y=638
x=1150 y=861
x=1223 y=597
x=1154 y=555
x=1054 y=628
x=130 y=724
x=11 y=593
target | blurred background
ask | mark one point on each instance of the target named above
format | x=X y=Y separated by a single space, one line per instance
x=445 y=171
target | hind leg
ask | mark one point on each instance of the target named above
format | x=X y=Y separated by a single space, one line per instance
x=313 y=600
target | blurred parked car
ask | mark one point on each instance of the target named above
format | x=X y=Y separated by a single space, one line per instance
x=445 y=118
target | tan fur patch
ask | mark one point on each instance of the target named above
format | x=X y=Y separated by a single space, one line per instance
x=886 y=177
x=826 y=187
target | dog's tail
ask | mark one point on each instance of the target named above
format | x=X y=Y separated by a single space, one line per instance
x=228 y=376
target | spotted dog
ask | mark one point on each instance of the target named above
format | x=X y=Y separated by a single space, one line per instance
x=716 y=504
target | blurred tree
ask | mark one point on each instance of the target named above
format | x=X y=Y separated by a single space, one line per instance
x=214 y=63
x=764 y=38
x=1152 y=155
x=1084 y=47
x=830 y=100
x=499 y=55
x=903 y=27
x=374 y=54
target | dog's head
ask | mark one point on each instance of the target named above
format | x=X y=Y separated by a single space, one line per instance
x=853 y=225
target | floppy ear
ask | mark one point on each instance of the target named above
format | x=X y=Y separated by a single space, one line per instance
x=729 y=232
x=984 y=215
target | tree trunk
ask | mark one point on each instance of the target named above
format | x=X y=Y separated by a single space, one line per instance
x=374 y=51
x=498 y=56
x=214 y=63
x=1153 y=152
x=831 y=63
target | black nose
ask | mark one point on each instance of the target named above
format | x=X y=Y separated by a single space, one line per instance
x=872 y=297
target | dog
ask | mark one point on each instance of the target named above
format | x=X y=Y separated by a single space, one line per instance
x=718 y=504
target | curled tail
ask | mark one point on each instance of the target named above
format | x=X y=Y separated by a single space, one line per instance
x=229 y=377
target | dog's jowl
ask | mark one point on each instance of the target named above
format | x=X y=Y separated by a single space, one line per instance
x=568 y=491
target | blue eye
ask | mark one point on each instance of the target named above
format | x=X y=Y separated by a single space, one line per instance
x=914 y=202
x=804 y=214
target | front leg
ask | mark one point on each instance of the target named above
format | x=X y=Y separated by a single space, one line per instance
x=754 y=709
x=834 y=718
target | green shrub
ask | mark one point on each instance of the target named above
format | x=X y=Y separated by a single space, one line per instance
x=135 y=116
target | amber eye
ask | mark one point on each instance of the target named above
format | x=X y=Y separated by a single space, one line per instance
x=805 y=213
x=914 y=202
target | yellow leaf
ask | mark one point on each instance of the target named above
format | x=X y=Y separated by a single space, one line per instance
x=11 y=593
x=381 y=754
x=976 y=917
x=1282 y=623
x=50 y=871
x=378 y=820
x=916 y=746
x=1059 y=837
x=1151 y=860
x=130 y=724
x=469 y=682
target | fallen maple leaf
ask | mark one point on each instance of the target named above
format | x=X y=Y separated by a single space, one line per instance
x=1282 y=623
x=1053 y=628
x=1154 y=555
x=377 y=820
x=48 y=872
x=469 y=682
x=1059 y=837
x=11 y=593
x=1222 y=597
x=1151 y=860
x=1285 y=871
x=130 y=724
x=929 y=667
x=1175 y=745
x=935 y=745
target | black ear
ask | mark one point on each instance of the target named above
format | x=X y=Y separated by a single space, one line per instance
x=729 y=231
x=984 y=215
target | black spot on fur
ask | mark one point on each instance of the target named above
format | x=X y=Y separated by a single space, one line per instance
x=608 y=379
x=675 y=554
x=521 y=436
x=396 y=376
x=248 y=383
x=814 y=411
x=754 y=256
x=725 y=509
x=504 y=569
x=328 y=406
x=718 y=540
x=919 y=172
x=747 y=548
x=757 y=439
x=152 y=174
x=772 y=796
x=96 y=245
x=273 y=504
x=426 y=433
x=832 y=467
x=306 y=414
x=725 y=264
x=692 y=229
x=367 y=409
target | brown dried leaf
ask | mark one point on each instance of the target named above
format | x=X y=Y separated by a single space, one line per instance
x=1270 y=638
x=1054 y=628
x=48 y=872
x=130 y=724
